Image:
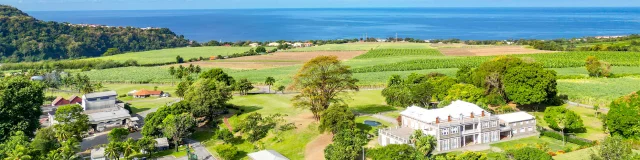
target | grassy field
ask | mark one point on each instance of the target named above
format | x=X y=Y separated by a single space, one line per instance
x=169 y=55
x=598 y=90
x=361 y=46
x=292 y=143
x=554 y=144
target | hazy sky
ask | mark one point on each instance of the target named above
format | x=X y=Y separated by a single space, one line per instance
x=40 y=5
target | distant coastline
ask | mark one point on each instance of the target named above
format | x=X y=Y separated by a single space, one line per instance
x=343 y=23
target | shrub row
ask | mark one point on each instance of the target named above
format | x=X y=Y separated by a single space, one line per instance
x=570 y=138
x=378 y=53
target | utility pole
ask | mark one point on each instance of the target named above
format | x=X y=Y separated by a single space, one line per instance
x=396 y=36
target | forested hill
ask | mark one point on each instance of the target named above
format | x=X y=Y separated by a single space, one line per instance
x=24 y=38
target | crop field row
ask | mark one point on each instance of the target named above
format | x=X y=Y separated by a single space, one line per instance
x=555 y=60
x=362 y=46
x=169 y=55
x=382 y=53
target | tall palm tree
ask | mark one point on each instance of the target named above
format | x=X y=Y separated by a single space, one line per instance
x=424 y=143
x=113 y=150
x=18 y=153
x=129 y=147
x=269 y=81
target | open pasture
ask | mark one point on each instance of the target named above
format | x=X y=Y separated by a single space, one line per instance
x=169 y=55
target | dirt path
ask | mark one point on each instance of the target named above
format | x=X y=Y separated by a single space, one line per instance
x=315 y=149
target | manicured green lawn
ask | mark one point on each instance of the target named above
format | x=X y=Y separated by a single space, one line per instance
x=149 y=103
x=554 y=144
x=579 y=154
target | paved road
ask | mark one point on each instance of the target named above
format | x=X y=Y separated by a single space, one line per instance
x=102 y=139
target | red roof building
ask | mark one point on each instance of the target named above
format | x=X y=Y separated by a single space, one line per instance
x=146 y=93
x=75 y=100
x=59 y=101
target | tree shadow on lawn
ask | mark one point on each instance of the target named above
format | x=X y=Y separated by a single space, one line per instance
x=372 y=108
x=364 y=127
x=240 y=154
x=247 y=109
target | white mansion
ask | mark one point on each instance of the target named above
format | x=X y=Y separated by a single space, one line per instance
x=458 y=125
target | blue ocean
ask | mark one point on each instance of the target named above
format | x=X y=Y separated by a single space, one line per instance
x=423 y=23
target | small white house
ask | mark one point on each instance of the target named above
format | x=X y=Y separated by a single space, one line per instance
x=254 y=45
x=98 y=154
x=273 y=44
x=297 y=44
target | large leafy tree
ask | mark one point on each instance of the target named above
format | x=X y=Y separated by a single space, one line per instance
x=622 y=119
x=465 y=92
x=148 y=145
x=563 y=120
x=441 y=86
x=20 y=101
x=257 y=126
x=320 y=81
x=218 y=75
x=337 y=118
x=118 y=134
x=178 y=127
x=244 y=86
x=153 y=122
x=530 y=84
x=347 y=144
x=415 y=90
x=72 y=123
x=424 y=143
x=45 y=141
x=208 y=97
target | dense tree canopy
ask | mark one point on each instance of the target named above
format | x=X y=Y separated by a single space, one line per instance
x=208 y=97
x=178 y=126
x=571 y=121
x=336 y=118
x=20 y=101
x=416 y=90
x=622 y=119
x=25 y=38
x=320 y=81
x=530 y=84
x=72 y=123
x=347 y=144
x=218 y=75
